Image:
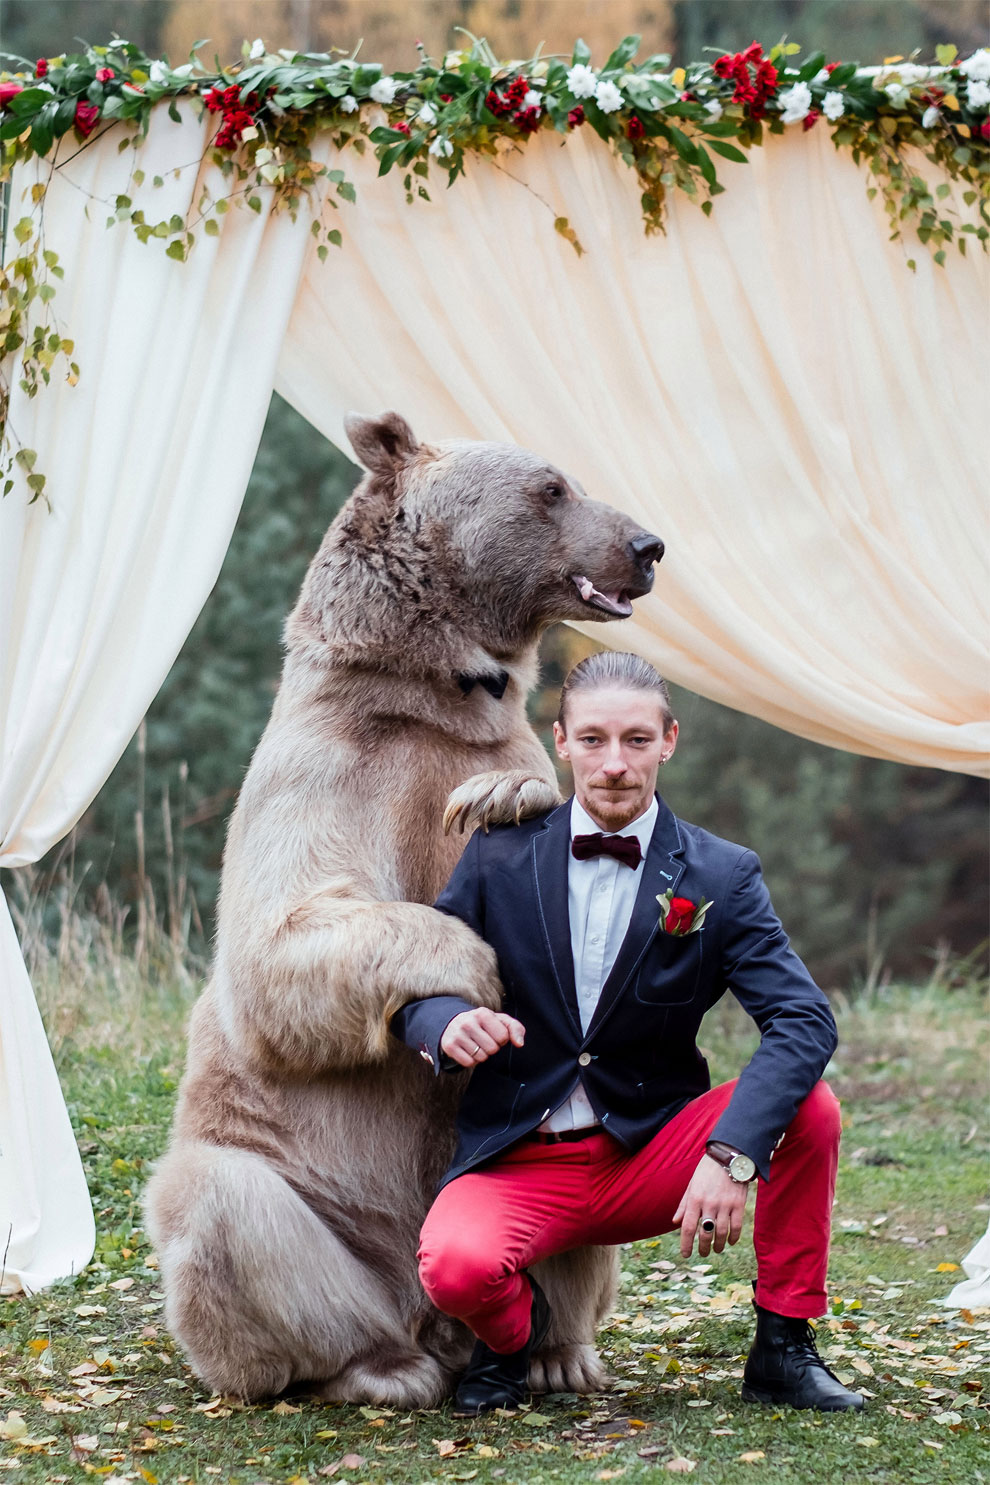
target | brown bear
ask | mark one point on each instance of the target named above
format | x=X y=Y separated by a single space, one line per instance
x=308 y=1141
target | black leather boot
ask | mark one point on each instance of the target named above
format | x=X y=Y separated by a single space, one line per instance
x=494 y=1380
x=784 y=1367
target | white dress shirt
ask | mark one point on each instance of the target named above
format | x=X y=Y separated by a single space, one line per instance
x=601 y=893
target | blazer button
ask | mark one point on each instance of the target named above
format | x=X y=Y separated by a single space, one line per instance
x=584 y=1059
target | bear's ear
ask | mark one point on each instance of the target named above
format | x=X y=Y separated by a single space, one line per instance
x=382 y=443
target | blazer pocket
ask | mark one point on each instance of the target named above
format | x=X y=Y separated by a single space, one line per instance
x=670 y=972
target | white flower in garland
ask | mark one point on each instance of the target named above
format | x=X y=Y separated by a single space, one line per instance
x=930 y=117
x=977 y=67
x=714 y=109
x=348 y=103
x=821 y=77
x=795 y=103
x=257 y=49
x=158 y=72
x=533 y=99
x=978 y=94
x=898 y=94
x=441 y=148
x=608 y=97
x=184 y=71
x=909 y=72
x=384 y=90
x=582 y=81
x=834 y=105
x=427 y=114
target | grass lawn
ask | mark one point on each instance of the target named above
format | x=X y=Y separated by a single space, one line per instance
x=93 y=1387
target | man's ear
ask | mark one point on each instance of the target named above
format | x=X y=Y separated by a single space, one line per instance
x=381 y=444
x=560 y=742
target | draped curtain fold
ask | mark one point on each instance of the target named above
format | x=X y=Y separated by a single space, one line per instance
x=147 y=460
x=771 y=390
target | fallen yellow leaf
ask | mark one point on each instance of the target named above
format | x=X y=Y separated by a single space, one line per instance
x=752 y=1455
x=947 y=1268
x=680 y=1465
x=282 y=1408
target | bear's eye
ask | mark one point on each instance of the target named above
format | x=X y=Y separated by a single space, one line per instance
x=554 y=490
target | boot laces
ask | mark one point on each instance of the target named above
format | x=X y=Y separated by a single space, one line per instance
x=802 y=1342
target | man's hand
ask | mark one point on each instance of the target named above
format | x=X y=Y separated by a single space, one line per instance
x=711 y=1193
x=474 y=1036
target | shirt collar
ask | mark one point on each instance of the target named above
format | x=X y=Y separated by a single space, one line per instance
x=641 y=828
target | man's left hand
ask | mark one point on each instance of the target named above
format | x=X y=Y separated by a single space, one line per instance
x=711 y=1193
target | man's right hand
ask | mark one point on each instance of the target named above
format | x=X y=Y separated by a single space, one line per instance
x=474 y=1036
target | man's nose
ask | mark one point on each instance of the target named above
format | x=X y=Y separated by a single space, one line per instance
x=646 y=549
x=614 y=763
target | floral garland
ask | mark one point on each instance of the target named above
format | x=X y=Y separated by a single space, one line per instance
x=665 y=123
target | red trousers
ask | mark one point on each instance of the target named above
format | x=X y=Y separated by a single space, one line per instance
x=535 y=1200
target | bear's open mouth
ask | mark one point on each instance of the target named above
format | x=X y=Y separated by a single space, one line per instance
x=618 y=603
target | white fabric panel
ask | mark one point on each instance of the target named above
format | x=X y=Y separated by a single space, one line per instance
x=147 y=460
x=973 y=1292
x=771 y=390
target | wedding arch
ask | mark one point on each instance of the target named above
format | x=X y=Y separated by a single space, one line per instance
x=787 y=387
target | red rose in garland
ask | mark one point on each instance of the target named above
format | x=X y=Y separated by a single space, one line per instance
x=810 y=119
x=41 y=67
x=9 y=90
x=104 y=74
x=753 y=88
x=634 y=128
x=87 y=117
x=575 y=117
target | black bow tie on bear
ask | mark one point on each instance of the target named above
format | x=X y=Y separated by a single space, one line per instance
x=494 y=684
x=624 y=848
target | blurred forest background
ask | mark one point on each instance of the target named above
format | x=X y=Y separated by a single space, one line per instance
x=875 y=868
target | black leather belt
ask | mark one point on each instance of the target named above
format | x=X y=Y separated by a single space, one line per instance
x=565 y=1136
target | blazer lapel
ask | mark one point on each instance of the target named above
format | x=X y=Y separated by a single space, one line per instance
x=662 y=870
x=551 y=852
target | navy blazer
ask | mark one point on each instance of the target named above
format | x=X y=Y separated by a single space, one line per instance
x=639 y=1060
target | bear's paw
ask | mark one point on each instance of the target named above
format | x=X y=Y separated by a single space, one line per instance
x=498 y=798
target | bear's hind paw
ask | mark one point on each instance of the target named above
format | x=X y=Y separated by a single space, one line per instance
x=568 y=1368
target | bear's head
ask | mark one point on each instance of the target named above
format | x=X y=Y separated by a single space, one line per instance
x=488 y=538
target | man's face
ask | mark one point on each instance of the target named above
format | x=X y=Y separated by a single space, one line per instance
x=614 y=742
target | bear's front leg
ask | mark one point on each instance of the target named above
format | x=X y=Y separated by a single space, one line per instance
x=498 y=798
x=318 y=994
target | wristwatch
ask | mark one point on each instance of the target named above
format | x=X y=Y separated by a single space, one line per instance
x=740 y=1167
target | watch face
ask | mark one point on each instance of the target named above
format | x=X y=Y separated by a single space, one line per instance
x=741 y=1168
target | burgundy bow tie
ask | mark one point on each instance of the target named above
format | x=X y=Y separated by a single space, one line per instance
x=624 y=848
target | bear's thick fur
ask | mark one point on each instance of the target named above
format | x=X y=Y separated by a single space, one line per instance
x=307 y=1141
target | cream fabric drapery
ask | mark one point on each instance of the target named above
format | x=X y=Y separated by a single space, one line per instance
x=147 y=460
x=771 y=390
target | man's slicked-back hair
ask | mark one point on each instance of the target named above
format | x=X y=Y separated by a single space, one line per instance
x=611 y=669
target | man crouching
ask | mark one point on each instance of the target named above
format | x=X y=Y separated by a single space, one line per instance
x=589 y=1118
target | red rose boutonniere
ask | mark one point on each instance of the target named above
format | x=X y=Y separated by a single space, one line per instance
x=679 y=915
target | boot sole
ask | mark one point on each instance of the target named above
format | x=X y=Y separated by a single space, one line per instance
x=772 y=1399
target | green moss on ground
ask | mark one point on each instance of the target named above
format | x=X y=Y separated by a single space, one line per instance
x=94 y=1388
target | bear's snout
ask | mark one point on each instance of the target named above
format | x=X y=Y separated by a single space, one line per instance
x=645 y=550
